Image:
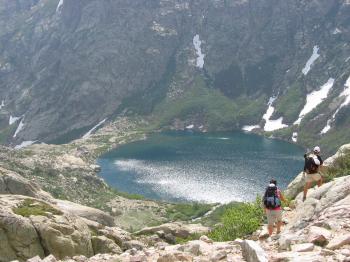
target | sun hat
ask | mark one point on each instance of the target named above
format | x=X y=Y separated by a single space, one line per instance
x=317 y=149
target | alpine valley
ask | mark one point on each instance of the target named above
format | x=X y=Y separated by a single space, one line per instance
x=79 y=78
x=279 y=68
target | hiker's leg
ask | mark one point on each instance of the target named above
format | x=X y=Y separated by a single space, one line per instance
x=270 y=229
x=320 y=182
x=270 y=221
x=306 y=188
x=279 y=220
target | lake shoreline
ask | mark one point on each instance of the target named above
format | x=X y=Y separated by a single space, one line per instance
x=132 y=164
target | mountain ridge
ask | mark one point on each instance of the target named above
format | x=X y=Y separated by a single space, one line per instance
x=76 y=63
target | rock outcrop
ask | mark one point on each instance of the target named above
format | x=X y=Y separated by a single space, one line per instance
x=318 y=228
x=12 y=183
x=31 y=227
x=192 y=251
x=176 y=229
x=27 y=233
x=86 y=212
x=296 y=186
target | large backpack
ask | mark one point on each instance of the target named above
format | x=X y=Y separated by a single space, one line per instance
x=310 y=166
x=271 y=199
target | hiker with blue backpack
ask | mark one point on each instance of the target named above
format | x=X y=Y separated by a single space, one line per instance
x=273 y=206
x=313 y=162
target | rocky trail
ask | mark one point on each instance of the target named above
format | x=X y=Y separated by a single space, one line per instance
x=35 y=227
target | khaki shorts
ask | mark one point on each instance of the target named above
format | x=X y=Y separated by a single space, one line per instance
x=312 y=177
x=273 y=216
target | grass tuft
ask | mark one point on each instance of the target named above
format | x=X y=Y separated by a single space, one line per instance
x=31 y=207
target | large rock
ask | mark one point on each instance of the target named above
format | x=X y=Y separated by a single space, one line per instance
x=65 y=235
x=305 y=247
x=329 y=161
x=252 y=251
x=104 y=245
x=298 y=257
x=40 y=227
x=325 y=204
x=176 y=229
x=118 y=235
x=296 y=186
x=18 y=237
x=86 y=212
x=319 y=235
x=339 y=241
x=12 y=183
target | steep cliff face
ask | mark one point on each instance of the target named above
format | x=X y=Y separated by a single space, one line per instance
x=66 y=65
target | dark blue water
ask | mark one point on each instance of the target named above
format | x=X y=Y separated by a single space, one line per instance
x=220 y=167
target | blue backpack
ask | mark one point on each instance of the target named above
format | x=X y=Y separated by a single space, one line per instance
x=271 y=199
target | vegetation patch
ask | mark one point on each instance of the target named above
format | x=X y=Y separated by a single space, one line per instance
x=184 y=212
x=291 y=103
x=340 y=167
x=31 y=207
x=6 y=132
x=239 y=221
x=180 y=240
x=216 y=110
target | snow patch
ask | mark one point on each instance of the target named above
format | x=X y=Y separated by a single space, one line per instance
x=25 y=144
x=295 y=137
x=2 y=104
x=190 y=127
x=250 y=128
x=19 y=128
x=314 y=99
x=336 y=31
x=59 y=6
x=327 y=127
x=13 y=119
x=94 y=128
x=346 y=102
x=311 y=60
x=271 y=125
x=347 y=59
x=197 y=45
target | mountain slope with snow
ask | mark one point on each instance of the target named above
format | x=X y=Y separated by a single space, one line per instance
x=66 y=65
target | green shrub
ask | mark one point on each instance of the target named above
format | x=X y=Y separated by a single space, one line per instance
x=180 y=240
x=185 y=212
x=31 y=207
x=340 y=166
x=239 y=221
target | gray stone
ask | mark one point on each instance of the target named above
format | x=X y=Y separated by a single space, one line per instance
x=86 y=212
x=252 y=252
x=34 y=259
x=104 y=245
x=206 y=239
x=65 y=235
x=305 y=247
x=318 y=235
x=50 y=258
x=193 y=248
x=339 y=241
x=218 y=255
x=133 y=244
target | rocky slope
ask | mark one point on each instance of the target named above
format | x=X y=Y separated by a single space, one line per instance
x=67 y=66
x=69 y=173
x=34 y=226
